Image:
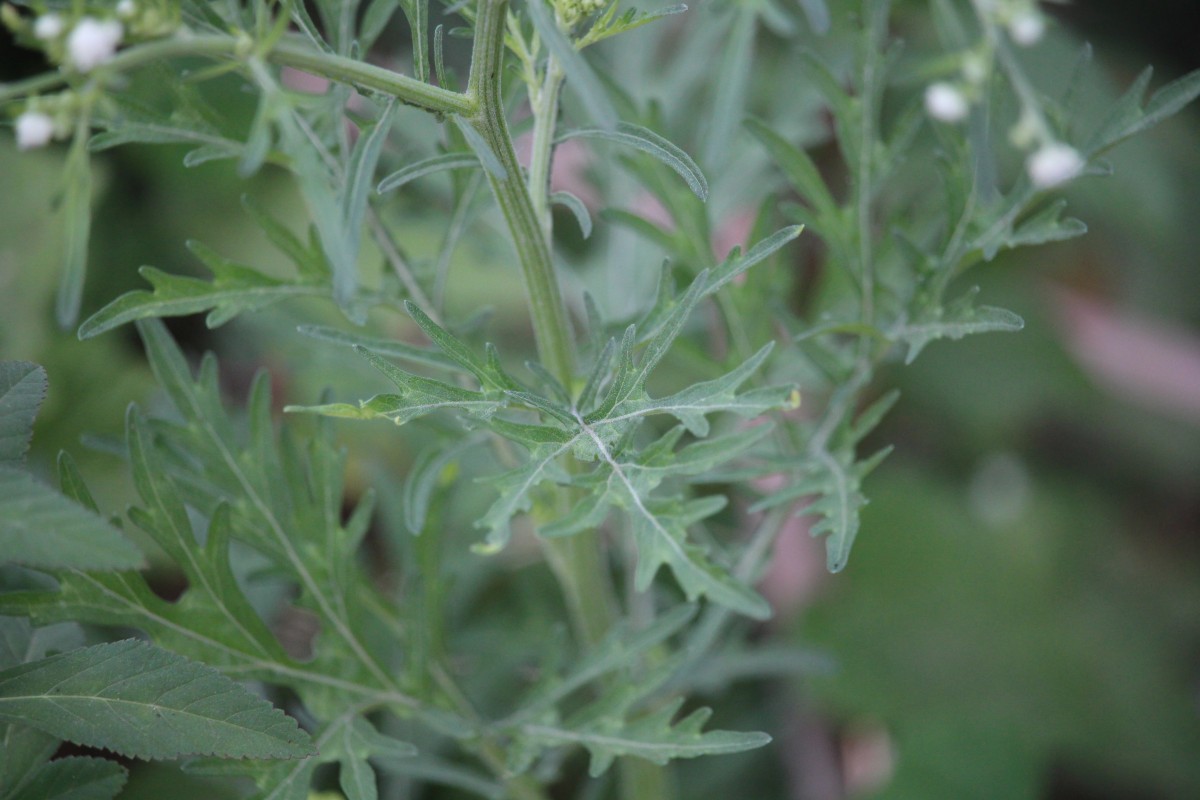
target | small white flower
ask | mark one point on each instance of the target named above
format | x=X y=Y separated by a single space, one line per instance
x=34 y=129
x=126 y=9
x=946 y=103
x=975 y=69
x=1054 y=164
x=1026 y=27
x=93 y=42
x=48 y=26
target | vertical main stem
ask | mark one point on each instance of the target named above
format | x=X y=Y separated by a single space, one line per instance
x=553 y=334
x=578 y=561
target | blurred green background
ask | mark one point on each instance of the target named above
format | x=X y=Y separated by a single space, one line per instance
x=1021 y=615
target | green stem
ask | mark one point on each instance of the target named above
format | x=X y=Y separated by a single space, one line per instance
x=550 y=328
x=545 y=118
x=578 y=561
x=286 y=53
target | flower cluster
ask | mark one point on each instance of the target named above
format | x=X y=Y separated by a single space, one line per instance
x=572 y=12
x=81 y=41
x=1051 y=162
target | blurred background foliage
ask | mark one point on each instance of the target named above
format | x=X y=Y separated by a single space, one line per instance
x=1021 y=617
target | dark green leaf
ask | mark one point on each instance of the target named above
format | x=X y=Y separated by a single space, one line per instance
x=73 y=778
x=22 y=389
x=41 y=528
x=137 y=700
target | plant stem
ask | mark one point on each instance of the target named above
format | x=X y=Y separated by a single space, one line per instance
x=553 y=335
x=577 y=561
x=545 y=118
x=285 y=52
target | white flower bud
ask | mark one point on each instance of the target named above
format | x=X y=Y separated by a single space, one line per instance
x=34 y=129
x=975 y=69
x=946 y=103
x=126 y=9
x=1054 y=164
x=1026 y=27
x=93 y=42
x=48 y=26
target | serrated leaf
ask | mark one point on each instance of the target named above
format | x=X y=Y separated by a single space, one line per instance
x=1128 y=118
x=138 y=700
x=958 y=319
x=427 y=166
x=41 y=528
x=22 y=389
x=73 y=778
x=649 y=142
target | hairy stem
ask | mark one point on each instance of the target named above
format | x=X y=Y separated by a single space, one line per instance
x=553 y=334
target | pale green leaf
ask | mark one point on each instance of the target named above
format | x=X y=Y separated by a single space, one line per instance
x=391 y=348
x=728 y=103
x=427 y=166
x=954 y=321
x=77 y=219
x=141 y=701
x=576 y=207
x=653 y=737
x=234 y=289
x=579 y=75
x=360 y=177
x=481 y=149
x=649 y=142
x=418 y=396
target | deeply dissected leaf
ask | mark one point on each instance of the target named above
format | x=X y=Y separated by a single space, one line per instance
x=954 y=321
x=418 y=396
x=233 y=290
x=653 y=737
x=139 y=700
x=1128 y=117
x=22 y=389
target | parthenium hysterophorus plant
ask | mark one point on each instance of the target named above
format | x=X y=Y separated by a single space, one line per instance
x=634 y=442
